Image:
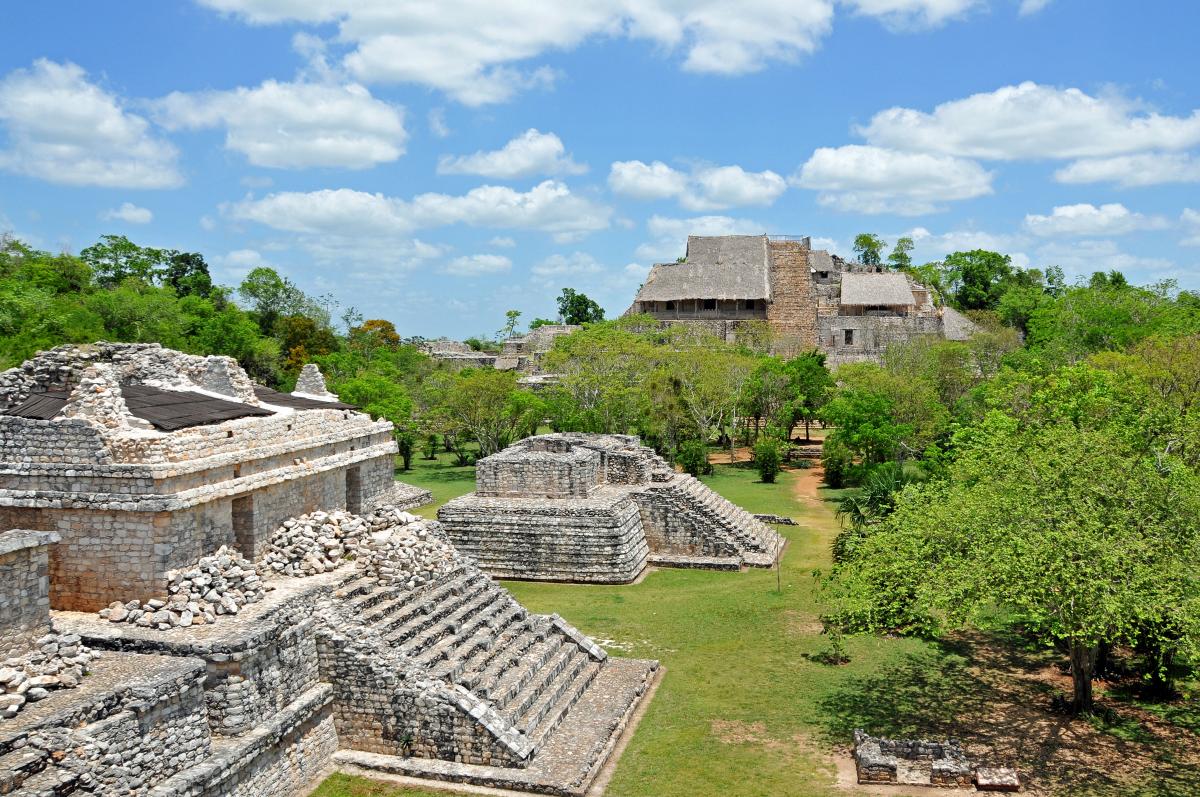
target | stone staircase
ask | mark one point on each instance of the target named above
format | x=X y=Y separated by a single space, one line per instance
x=715 y=517
x=466 y=630
x=792 y=310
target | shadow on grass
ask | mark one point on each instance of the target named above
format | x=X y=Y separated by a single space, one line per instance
x=976 y=693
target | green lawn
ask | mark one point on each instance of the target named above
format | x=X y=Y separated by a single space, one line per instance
x=745 y=708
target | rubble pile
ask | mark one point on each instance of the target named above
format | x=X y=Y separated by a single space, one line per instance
x=57 y=661
x=320 y=541
x=407 y=555
x=219 y=584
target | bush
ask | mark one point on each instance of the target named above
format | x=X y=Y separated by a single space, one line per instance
x=766 y=459
x=838 y=462
x=804 y=463
x=693 y=458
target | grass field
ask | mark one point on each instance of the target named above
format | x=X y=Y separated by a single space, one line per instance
x=746 y=708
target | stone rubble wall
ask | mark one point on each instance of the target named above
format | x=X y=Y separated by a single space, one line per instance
x=594 y=540
x=24 y=590
x=792 y=309
x=872 y=334
x=535 y=473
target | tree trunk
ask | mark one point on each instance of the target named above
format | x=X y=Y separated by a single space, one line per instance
x=807 y=438
x=1083 y=664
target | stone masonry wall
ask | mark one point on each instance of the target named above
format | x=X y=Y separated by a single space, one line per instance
x=792 y=310
x=535 y=473
x=24 y=590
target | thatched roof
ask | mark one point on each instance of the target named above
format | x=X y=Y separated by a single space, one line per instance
x=890 y=290
x=717 y=267
x=820 y=260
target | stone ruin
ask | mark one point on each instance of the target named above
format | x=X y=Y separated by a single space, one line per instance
x=289 y=617
x=598 y=508
x=919 y=762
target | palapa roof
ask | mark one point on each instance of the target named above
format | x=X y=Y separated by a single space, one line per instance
x=889 y=289
x=717 y=267
x=820 y=260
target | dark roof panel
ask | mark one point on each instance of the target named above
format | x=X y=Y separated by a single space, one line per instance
x=40 y=406
x=169 y=410
x=270 y=396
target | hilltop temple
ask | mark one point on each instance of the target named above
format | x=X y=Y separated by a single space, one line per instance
x=810 y=299
x=209 y=588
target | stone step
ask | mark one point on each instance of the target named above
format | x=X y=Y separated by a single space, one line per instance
x=442 y=637
x=488 y=669
x=558 y=711
x=542 y=679
x=427 y=613
x=19 y=765
x=513 y=679
x=530 y=706
x=51 y=782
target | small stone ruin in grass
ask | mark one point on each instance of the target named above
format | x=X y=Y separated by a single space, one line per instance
x=57 y=661
x=919 y=762
x=218 y=584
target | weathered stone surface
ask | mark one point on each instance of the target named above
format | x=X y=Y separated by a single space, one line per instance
x=575 y=507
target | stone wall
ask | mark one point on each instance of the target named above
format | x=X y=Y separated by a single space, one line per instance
x=528 y=472
x=872 y=334
x=24 y=590
x=792 y=310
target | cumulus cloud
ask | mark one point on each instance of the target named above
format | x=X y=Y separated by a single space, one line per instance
x=1191 y=222
x=295 y=125
x=549 y=207
x=1132 y=171
x=1032 y=121
x=668 y=236
x=503 y=242
x=867 y=179
x=62 y=128
x=574 y=264
x=476 y=265
x=1030 y=7
x=531 y=153
x=482 y=52
x=437 y=122
x=129 y=213
x=703 y=188
x=1082 y=258
x=1090 y=220
x=906 y=14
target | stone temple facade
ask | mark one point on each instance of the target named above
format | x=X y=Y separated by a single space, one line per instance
x=391 y=651
x=598 y=508
x=810 y=299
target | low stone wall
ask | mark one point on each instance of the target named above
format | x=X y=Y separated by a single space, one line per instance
x=597 y=539
x=24 y=590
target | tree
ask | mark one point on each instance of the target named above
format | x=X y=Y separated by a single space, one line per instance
x=811 y=384
x=979 y=278
x=115 y=258
x=487 y=406
x=541 y=322
x=1079 y=537
x=869 y=248
x=602 y=373
x=187 y=274
x=577 y=308
x=767 y=459
x=510 y=324
x=900 y=259
x=272 y=296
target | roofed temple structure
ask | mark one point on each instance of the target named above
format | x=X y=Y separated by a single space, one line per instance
x=212 y=590
x=810 y=299
x=598 y=508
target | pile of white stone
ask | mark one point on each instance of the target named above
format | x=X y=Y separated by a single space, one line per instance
x=58 y=661
x=219 y=584
x=314 y=543
x=407 y=554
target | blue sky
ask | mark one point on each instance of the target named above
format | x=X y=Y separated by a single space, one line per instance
x=438 y=162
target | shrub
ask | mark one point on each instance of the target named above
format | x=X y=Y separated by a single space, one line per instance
x=838 y=462
x=804 y=463
x=693 y=458
x=766 y=459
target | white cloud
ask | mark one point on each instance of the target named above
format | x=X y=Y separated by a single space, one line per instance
x=207 y=223
x=1191 y=222
x=502 y=242
x=877 y=180
x=437 y=122
x=64 y=129
x=904 y=14
x=475 y=265
x=669 y=235
x=548 y=207
x=483 y=52
x=1090 y=220
x=1032 y=121
x=704 y=188
x=1030 y=7
x=129 y=213
x=1130 y=171
x=934 y=246
x=295 y=125
x=531 y=153
x=1082 y=258
x=574 y=264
